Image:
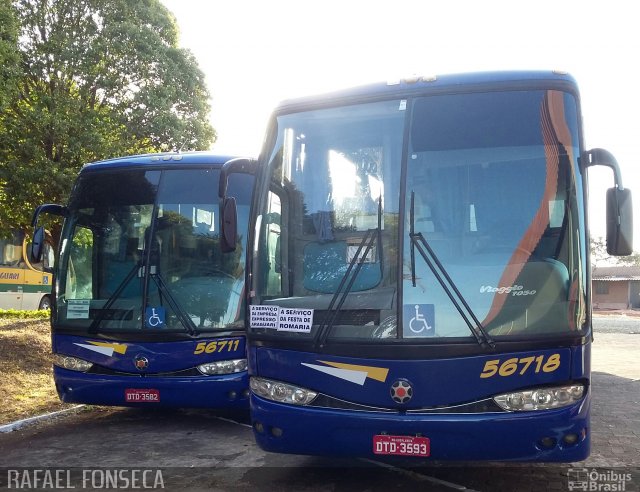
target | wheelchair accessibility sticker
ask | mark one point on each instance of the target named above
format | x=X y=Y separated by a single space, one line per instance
x=419 y=320
x=154 y=317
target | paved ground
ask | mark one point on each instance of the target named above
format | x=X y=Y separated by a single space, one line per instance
x=623 y=323
x=200 y=450
x=616 y=409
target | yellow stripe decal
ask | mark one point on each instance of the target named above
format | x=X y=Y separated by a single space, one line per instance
x=117 y=347
x=377 y=373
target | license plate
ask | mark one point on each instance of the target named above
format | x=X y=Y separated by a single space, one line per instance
x=401 y=445
x=141 y=395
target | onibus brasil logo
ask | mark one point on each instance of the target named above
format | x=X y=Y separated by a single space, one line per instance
x=598 y=480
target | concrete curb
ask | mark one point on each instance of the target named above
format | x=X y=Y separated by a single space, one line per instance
x=10 y=427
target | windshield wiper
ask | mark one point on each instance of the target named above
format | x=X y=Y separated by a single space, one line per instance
x=187 y=322
x=419 y=242
x=357 y=261
x=152 y=259
x=189 y=325
x=102 y=314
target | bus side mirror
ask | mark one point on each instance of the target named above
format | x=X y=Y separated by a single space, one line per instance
x=233 y=166
x=619 y=222
x=36 y=251
x=228 y=225
x=228 y=209
x=48 y=208
x=37 y=245
x=619 y=209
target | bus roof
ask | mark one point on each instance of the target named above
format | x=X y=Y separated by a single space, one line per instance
x=160 y=159
x=435 y=84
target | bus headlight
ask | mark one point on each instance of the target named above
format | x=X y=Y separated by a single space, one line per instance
x=281 y=392
x=223 y=367
x=540 y=398
x=71 y=363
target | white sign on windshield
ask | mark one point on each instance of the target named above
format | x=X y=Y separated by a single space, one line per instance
x=281 y=319
x=295 y=320
x=264 y=317
x=78 y=309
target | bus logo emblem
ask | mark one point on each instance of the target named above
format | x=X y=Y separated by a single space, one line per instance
x=141 y=362
x=401 y=391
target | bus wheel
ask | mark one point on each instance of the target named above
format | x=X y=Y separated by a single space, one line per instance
x=45 y=303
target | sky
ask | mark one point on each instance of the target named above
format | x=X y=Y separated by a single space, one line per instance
x=256 y=53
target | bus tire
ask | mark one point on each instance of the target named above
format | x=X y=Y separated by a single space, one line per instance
x=45 y=303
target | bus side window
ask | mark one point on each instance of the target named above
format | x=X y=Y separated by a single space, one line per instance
x=273 y=246
x=49 y=257
x=11 y=255
x=80 y=271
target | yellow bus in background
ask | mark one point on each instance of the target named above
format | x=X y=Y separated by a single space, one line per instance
x=24 y=285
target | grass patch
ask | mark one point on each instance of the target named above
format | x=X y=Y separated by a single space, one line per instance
x=26 y=377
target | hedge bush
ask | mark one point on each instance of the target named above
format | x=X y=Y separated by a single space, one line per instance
x=17 y=314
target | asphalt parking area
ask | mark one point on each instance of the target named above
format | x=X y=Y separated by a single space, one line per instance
x=204 y=450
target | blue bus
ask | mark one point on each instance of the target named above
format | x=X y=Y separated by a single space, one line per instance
x=419 y=271
x=147 y=309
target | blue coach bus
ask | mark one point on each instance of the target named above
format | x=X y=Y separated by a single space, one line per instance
x=147 y=309
x=419 y=271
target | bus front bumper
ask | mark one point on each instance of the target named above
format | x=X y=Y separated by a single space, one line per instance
x=220 y=392
x=523 y=436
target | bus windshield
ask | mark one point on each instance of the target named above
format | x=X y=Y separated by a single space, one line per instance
x=419 y=219
x=140 y=251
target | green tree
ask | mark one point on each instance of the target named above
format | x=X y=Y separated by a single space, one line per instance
x=99 y=78
x=599 y=255
x=9 y=73
x=631 y=260
x=9 y=55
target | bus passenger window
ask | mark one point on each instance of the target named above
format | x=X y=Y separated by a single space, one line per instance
x=11 y=255
x=80 y=271
x=273 y=249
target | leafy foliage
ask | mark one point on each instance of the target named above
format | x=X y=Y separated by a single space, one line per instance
x=17 y=314
x=631 y=260
x=9 y=55
x=99 y=78
x=599 y=255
